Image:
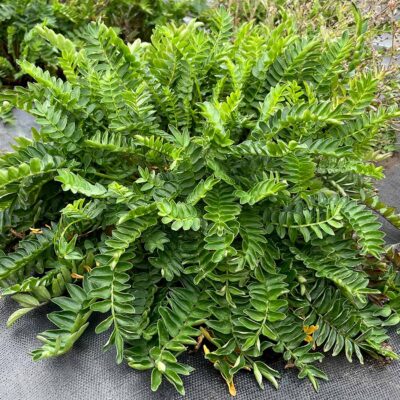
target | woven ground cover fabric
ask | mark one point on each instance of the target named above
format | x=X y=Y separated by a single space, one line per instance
x=86 y=373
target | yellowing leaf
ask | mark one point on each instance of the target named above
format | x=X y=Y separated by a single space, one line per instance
x=309 y=330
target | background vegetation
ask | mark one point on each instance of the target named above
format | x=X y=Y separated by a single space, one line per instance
x=132 y=18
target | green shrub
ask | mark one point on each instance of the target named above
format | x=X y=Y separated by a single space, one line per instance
x=138 y=18
x=18 y=19
x=213 y=184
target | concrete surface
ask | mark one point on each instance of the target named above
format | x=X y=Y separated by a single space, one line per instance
x=21 y=127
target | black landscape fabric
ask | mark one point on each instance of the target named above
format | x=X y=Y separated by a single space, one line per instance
x=86 y=373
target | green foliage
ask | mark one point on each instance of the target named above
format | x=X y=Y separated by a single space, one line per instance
x=19 y=40
x=71 y=322
x=137 y=18
x=21 y=20
x=28 y=250
x=209 y=185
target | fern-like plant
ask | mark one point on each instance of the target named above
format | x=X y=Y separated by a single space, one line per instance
x=209 y=189
x=18 y=39
x=18 y=19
